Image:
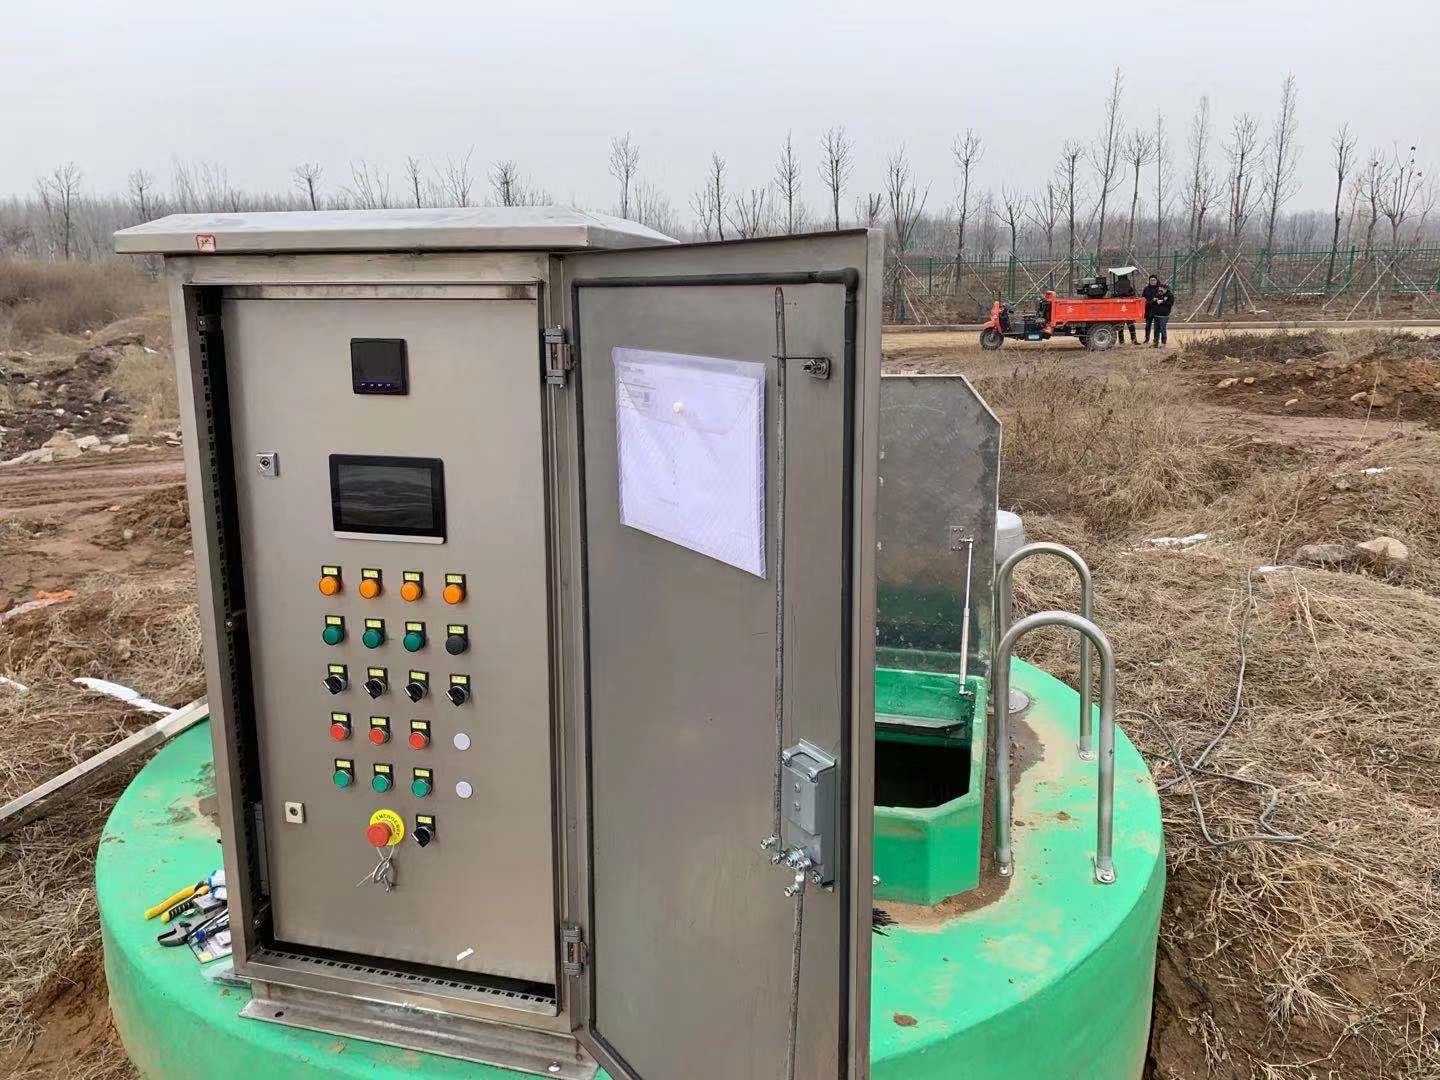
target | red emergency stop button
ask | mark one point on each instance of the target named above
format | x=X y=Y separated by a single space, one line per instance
x=378 y=834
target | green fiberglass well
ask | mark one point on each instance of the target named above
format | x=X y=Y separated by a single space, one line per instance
x=1045 y=975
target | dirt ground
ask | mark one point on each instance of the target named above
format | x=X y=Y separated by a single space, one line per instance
x=1312 y=958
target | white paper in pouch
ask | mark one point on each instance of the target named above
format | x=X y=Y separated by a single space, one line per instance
x=690 y=432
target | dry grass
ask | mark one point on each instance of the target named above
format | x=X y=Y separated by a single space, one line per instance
x=145 y=378
x=67 y=298
x=1319 y=958
x=141 y=633
x=1108 y=452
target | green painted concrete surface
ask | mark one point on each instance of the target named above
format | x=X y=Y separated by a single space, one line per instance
x=1052 y=979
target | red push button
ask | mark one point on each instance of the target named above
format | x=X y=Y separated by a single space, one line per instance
x=379 y=735
x=339 y=731
x=419 y=740
x=378 y=834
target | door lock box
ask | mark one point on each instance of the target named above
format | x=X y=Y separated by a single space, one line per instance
x=807 y=799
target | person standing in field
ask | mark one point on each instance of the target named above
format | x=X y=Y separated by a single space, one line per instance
x=1164 y=303
x=1151 y=288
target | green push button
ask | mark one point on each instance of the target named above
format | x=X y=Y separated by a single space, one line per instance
x=420 y=787
x=381 y=782
x=342 y=778
x=373 y=637
x=333 y=634
x=414 y=640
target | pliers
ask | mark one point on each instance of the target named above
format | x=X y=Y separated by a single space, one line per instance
x=185 y=929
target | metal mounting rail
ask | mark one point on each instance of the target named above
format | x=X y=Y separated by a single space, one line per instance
x=1000 y=680
x=1004 y=613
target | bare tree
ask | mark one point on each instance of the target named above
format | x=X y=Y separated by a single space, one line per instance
x=750 y=213
x=907 y=203
x=59 y=200
x=715 y=192
x=1067 y=184
x=1280 y=186
x=1137 y=152
x=456 y=179
x=1105 y=155
x=1045 y=211
x=989 y=234
x=968 y=151
x=1398 y=194
x=624 y=164
x=182 y=187
x=1372 y=186
x=413 y=173
x=369 y=188
x=1342 y=160
x=1013 y=203
x=1162 y=179
x=141 y=187
x=837 y=162
x=653 y=208
x=704 y=211
x=307 y=179
x=870 y=210
x=1201 y=182
x=787 y=186
x=505 y=182
x=1242 y=150
x=215 y=185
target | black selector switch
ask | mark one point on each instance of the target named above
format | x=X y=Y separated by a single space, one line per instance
x=424 y=831
x=416 y=690
x=459 y=689
x=336 y=680
x=377 y=682
x=457 y=639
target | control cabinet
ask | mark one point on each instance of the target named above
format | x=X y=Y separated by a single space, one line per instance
x=495 y=767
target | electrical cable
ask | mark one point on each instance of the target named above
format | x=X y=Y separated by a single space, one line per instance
x=1187 y=773
x=792 y=1037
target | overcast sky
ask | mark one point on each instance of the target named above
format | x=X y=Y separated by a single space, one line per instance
x=261 y=85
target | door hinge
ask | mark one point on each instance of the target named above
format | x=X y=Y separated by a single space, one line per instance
x=558 y=360
x=575 y=952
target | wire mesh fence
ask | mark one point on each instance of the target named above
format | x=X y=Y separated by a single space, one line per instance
x=941 y=288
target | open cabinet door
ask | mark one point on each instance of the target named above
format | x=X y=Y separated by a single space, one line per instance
x=689 y=928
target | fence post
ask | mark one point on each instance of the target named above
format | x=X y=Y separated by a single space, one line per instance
x=1010 y=277
x=929 y=277
x=1350 y=270
x=1261 y=258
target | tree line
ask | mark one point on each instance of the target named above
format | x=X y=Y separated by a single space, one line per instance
x=1139 y=185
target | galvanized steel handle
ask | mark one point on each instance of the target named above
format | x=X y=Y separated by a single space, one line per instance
x=1000 y=680
x=1004 y=613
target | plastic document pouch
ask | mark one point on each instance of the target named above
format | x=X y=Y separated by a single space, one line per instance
x=690 y=432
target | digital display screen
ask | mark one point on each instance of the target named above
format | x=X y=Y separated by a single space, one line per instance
x=378 y=366
x=392 y=496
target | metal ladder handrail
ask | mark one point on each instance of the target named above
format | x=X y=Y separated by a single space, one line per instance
x=1004 y=612
x=1105 y=802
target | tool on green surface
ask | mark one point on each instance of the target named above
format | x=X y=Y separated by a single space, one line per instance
x=205 y=884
